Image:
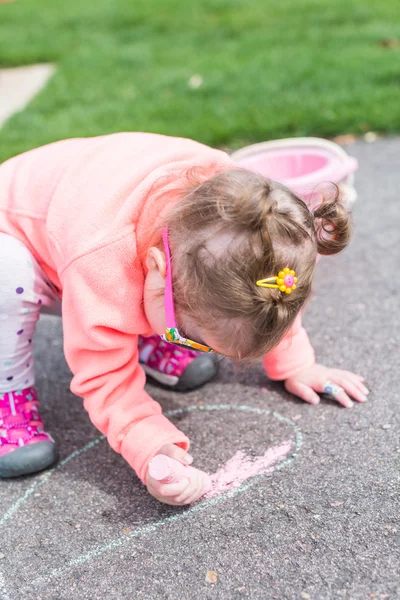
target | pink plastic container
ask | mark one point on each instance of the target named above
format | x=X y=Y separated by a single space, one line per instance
x=302 y=164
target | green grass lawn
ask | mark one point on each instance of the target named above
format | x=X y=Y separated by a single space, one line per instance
x=269 y=69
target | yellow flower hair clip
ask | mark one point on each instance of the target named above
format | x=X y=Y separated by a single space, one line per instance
x=285 y=281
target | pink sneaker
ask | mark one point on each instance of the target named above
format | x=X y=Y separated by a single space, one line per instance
x=24 y=445
x=173 y=366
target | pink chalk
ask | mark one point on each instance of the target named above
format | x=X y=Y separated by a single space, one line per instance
x=167 y=470
x=242 y=467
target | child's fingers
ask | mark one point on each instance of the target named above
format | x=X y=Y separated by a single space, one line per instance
x=194 y=489
x=352 y=375
x=184 y=492
x=194 y=484
x=303 y=391
x=356 y=376
x=191 y=493
x=359 y=385
x=195 y=496
x=356 y=379
x=339 y=395
x=351 y=388
x=207 y=483
x=185 y=497
x=177 y=453
x=205 y=486
x=363 y=390
x=170 y=490
x=344 y=399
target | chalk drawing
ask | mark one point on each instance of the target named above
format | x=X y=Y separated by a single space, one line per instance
x=241 y=467
x=43 y=478
x=266 y=462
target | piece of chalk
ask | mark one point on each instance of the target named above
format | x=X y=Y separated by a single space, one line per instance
x=167 y=470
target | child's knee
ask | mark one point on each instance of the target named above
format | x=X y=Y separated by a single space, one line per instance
x=20 y=279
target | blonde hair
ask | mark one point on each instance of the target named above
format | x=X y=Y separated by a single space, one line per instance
x=232 y=230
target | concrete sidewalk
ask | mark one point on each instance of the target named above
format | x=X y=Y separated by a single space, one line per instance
x=323 y=526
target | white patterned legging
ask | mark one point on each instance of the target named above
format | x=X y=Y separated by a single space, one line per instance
x=24 y=291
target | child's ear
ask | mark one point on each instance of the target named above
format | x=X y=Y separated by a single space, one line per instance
x=155 y=261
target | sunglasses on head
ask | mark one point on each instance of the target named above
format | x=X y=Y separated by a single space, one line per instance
x=172 y=334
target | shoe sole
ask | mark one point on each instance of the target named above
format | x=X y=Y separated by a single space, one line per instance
x=201 y=370
x=162 y=378
x=28 y=459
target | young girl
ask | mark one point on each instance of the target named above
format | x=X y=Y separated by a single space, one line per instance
x=142 y=234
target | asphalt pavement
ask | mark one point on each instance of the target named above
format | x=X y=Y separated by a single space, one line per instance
x=323 y=525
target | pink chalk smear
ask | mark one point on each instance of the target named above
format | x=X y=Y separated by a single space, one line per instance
x=241 y=467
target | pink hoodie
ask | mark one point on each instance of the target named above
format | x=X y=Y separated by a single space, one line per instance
x=86 y=209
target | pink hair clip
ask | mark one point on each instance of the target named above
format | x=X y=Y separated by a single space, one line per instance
x=285 y=281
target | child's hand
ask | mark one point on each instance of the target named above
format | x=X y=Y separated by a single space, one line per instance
x=184 y=492
x=314 y=378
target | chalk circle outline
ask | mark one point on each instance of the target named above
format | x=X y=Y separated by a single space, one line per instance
x=147 y=529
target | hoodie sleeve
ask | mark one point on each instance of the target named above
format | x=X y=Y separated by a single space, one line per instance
x=291 y=355
x=102 y=316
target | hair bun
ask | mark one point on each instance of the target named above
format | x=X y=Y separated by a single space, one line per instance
x=247 y=200
x=333 y=225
